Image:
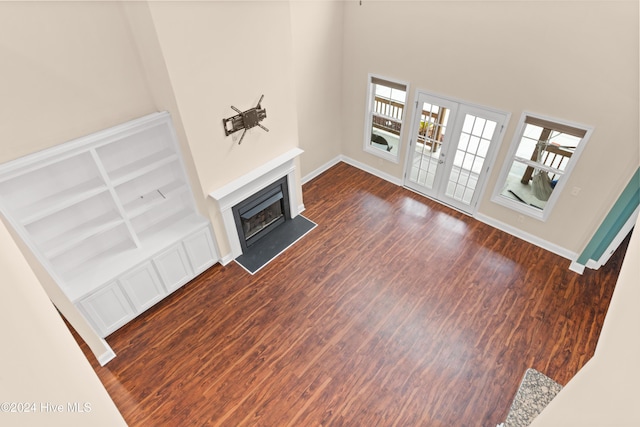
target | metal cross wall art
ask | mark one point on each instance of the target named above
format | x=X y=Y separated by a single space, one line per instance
x=245 y=120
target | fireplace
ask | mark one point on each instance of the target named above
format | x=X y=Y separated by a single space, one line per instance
x=261 y=213
x=244 y=187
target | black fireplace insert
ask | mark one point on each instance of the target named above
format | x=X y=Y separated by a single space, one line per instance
x=261 y=213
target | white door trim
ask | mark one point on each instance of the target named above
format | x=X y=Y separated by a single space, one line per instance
x=455 y=126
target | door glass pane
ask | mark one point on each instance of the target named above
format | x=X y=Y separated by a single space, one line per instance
x=434 y=120
x=474 y=143
x=489 y=129
x=472 y=149
x=483 y=148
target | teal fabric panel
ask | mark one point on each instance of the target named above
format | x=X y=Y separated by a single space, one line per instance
x=614 y=221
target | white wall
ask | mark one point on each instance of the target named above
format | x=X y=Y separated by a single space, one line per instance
x=574 y=60
x=68 y=69
x=220 y=54
x=41 y=362
x=317 y=28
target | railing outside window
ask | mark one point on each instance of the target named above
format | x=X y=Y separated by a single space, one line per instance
x=386 y=101
x=387 y=115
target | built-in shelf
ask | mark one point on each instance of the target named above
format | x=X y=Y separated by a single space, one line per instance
x=151 y=199
x=90 y=274
x=142 y=166
x=65 y=242
x=53 y=203
x=91 y=253
x=104 y=212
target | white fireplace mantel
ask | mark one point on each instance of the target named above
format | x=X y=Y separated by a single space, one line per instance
x=239 y=189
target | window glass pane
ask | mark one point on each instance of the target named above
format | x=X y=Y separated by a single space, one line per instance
x=383 y=91
x=385 y=117
x=398 y=95
x=541 y=156
x=564 y=140
x=532 y=131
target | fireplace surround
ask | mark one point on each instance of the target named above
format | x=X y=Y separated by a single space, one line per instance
x=242 y=188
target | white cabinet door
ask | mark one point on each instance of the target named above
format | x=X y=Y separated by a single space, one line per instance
x=201 y=251
x=143 y=286
x=107 y=309
x=173 y=267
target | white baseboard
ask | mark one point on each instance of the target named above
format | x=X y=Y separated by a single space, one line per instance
x=226 y=259
x=373 y=171
x=576 y=268
x=534 y=240
x=348 y=160
x=321 y=170
x=593 y=265
x=107 y=356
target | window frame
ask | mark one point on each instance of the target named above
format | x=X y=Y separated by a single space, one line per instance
x=534 y=212
x=369 y=111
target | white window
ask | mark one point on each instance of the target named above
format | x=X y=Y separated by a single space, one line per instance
x=386 y=100
x=542 y=155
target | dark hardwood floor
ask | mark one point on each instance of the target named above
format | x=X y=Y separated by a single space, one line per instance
x=393 y=311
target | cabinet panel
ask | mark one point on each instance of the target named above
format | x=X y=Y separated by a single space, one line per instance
x=107 y=309
x=201 y=251
x=173 y=267
x=143 y=286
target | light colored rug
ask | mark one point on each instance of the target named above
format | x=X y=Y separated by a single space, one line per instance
x=534 y=394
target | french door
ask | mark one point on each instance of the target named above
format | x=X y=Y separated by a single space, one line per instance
x=452 y=147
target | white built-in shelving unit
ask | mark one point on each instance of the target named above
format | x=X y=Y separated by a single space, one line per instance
x=112 y=218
